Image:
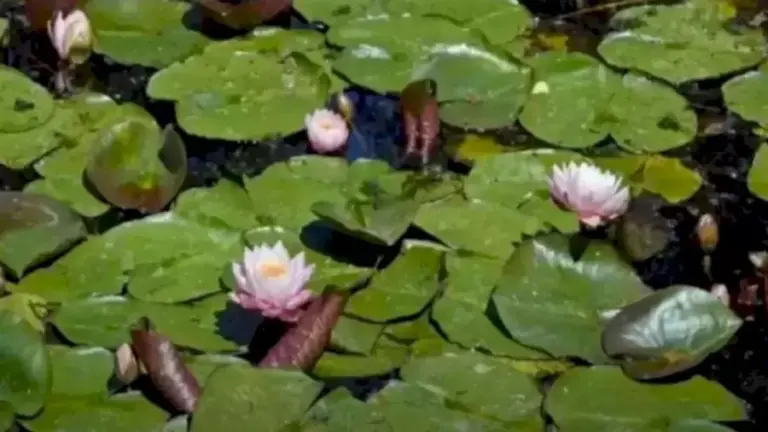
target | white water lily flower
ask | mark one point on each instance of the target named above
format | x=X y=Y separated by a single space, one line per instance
x=596 y=196
x=270 y=281
x=71 y=36
x=326 y=130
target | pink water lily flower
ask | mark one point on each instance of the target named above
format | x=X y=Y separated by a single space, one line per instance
x=71 y=36
x=596 y=196
x=326 y=130
x=270 y=281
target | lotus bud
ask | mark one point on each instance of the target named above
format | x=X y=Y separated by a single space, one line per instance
x=71 y=35
x=721 y=292
x=345 y=106
x=596 y=196
x=327 y=131
x=708 y=233
x=127 y=366
x=759 y=259
x=271 y=282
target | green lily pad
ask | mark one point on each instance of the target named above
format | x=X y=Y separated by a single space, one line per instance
x=327 y=273
x=34 y=228
x=340 y=411
x=507 y=179
x=475 y=226
x=697 y=426
x=332 y=365
x=6 y=416
x=576 y=102
x=28 y=307
x=665 y=176
x=202 y=366
x=80 y=371
x=461 y=310
x=106 y=321
x=757 y=177
x=680 y=43
x=386 y=54
x=402 y=289
x=468 y=380
x=226 y=205
x=668 y=331
x=603 y=399
x=154 y=252
x=25 y=104
x=744 y=94
x=381 y=223
x=144 y=32
x=547 y=299
x=355 y=336
x=250 y=88
x=25 y=367
x=128 y=412
x=237 y=397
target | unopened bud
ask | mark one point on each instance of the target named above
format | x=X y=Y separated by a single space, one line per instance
x=708 y=233
x=721 y=292
x=71 y=36
x=127 y=367
x=345 y=106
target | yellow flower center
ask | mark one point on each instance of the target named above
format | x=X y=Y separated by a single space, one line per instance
x=273 y=269
x=327 y=125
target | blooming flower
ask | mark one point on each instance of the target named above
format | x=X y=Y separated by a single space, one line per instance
x=595 y=196
x=327 y=131
x=270 y=281
x=71 y=36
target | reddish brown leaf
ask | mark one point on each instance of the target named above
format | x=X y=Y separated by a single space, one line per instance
x=164 y=366
x=38 y=12
x=245 y=15
x=420 y=117
x=304 y=343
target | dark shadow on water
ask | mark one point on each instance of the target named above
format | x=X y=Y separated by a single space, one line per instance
x=236 y=324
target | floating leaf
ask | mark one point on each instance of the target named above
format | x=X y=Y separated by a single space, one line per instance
x=302 y=345
x=144 y=32
x=669 y=178
x=402 y=289
x=757 y=177
x=224 y=91
x=237 y=397
x=550 y=300
x=603 y=399
x=28 y=307
x=6 y=415
x=225 y=205
x=24 y=104
x=332 y=365
x=744 y=94
x=340 y=411
x=355 y=336
x=164 y=366
x=25 y=368
x=135 y=166
x=680 y=43
x=244 y=15
x=80 y=372
x=668 y=331
x=381 y=223
x=34 y=228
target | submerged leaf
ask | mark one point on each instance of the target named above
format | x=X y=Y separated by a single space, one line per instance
x=135 y=166
x=165 y=367
x=669 y=331
x=34 y=228
x=303 y=344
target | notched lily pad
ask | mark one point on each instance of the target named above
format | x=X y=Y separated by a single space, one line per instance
x=24 y=103
x=669 y=331
x=135 y=166
x=34 y=228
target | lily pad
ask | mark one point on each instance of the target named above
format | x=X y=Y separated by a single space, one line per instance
x=550 y=300
x=757 y=177
x=6 y=415
x=340 y=411
x=402 y=289
x=236 y=397
x=603 y=399
x=25 y=367
x=743 y=95
x=332 y=365
x=668 y=331
x=25 y=104
x=680 y=43
x=226 y=205
x=34 y=228
x=665 y=176
x=144 y=32
x=28 y=307
x=355 y=336
x=81 y=372
x=468 y=380
x=387 y=53
x=379 y=222
x=576 y=102
x=250 y=88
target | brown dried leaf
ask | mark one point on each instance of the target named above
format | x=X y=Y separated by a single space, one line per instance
x=245 y=15
x=164 y=366
x=304 y=343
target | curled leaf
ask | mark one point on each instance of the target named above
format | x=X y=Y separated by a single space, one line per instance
x=164 y=366
x=134 y=166
x=244 y=15
x=421 y=117
x=303 y=344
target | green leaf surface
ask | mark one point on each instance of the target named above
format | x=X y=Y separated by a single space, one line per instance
x=355 y=336
x=225 y=205
x=80 y=372
x=744 y=94
x=402 y=289
x=143 y=32
x=549 y=300
x=236 y=397
x=669 y=331
x=757 y=177
x=28 y=307
x=25 y=104
x=25 y=366
x=603 y=399
x=340 y=411
x=332 y=365
x=6 y=416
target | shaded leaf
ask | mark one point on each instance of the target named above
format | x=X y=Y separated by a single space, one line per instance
x=25 y=366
